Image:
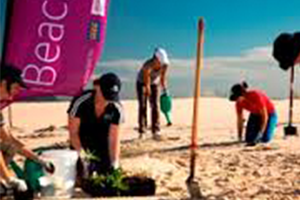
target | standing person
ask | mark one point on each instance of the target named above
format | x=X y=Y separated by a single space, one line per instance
x=151 y=76
x=10 y=86
x=94 y=122
x=262 y=119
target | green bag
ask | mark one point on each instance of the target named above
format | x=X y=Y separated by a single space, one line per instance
x=31 y=173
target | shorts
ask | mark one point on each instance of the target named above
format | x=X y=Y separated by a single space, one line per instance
x=253 y=134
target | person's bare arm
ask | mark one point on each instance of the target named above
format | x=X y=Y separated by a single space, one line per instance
x=114 y=145
x=20 y=147
x=5 y=173
x=146 y=76
x=73 y=126
x=7 y=137
x=4 y=135
x=240 y=124
x=265 y=118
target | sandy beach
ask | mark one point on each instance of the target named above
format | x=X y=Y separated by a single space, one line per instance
x=225 y=170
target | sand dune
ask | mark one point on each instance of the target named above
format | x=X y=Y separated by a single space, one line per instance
x=225 y=169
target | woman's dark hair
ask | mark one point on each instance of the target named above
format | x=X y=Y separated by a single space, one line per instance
x=245 y=85
x=110 y=85
x=11 y=75
x=238 y=90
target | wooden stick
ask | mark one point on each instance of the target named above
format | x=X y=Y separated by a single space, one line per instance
x=199 y=66
x=10 y=120
x=292 y=78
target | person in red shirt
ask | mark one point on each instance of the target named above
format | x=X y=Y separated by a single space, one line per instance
x=262 y=118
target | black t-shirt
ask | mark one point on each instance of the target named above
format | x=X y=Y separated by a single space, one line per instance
x=93 y=130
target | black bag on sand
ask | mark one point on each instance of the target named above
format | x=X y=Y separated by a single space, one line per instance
x=135 y=186
x=139 y=186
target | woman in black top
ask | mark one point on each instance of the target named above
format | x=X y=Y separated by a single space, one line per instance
x=94 y=122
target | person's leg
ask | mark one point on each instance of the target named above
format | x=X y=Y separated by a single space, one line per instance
x=154 y=101
x=142 y=109
x=253 y=128
x=270 y=130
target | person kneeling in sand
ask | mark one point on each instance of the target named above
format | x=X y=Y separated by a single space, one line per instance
x=262 y=119
x=10 y=86
x=94 y=124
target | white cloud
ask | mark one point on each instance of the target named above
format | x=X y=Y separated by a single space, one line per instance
x=130 y=63
x=256 y=65
x=252 y=59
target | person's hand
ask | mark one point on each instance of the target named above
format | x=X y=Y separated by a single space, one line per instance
x=82 y=154
x=48 y=166
x=18 y=184
x=88 y=156
x=147 y=91
x=115 y=165
x=165 y=91
x=240 y=138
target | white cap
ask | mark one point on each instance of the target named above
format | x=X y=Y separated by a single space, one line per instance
x=162 y=56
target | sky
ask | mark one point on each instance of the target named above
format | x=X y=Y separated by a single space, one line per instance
x=238 y=42
x=2 y=17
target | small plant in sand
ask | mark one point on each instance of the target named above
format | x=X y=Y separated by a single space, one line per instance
x=113 y=181
x=116 y=182
x=102 y=184
x=89 y=156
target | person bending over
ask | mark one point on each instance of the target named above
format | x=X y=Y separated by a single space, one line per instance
x=262 y=118
x=150 y=77
x=11 y=84
x=94 y=123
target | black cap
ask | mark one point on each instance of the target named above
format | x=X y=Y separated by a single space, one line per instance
x=286 y=49
x=12 y=75
x=110 y=85
x=237 y=90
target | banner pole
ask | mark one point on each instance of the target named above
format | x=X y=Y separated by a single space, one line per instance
x=8 y=15
x=10 y=117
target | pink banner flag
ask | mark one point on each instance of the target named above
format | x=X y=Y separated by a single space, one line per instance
x=56 y=43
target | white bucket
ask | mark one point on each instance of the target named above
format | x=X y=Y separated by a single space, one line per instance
x=64 y=177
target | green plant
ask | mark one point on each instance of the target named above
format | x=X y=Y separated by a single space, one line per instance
x=116 y=180
x=88 y=155
x=112 y=181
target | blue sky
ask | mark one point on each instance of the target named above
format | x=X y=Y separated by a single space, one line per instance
x=136 y=26
x=2 y=15
x=238 y=41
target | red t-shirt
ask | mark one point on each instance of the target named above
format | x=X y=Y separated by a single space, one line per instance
x=254 y=101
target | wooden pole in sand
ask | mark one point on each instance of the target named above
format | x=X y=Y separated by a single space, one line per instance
x=290 y=129
x=193 y=186
x=292 y=78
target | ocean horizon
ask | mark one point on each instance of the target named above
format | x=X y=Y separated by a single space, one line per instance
x=181 y=84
